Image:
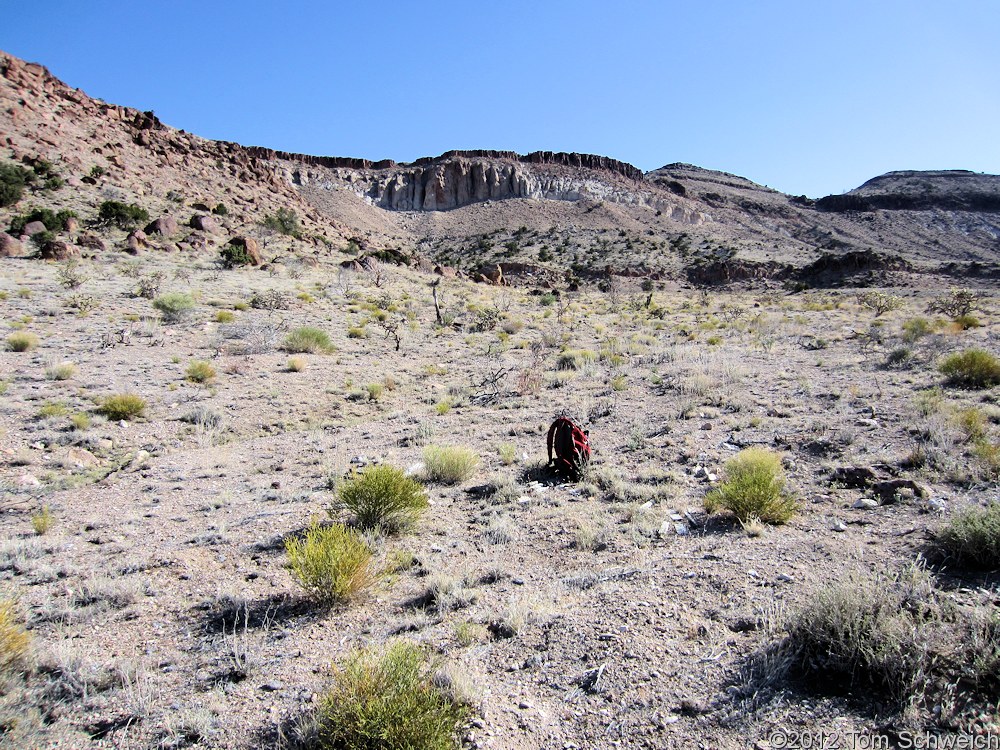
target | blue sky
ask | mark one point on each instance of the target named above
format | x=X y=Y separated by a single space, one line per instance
x=807 y=97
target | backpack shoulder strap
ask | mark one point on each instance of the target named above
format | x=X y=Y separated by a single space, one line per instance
x=551 y=437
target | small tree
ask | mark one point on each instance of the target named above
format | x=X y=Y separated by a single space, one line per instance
x=957 y=303
x=283 y=221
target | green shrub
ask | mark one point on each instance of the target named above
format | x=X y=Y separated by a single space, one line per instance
x=283 y=221
x=43 y=520
x=174 y=306
x=375 y=391
x=122 y=406
x=12 y=181
x=80 y=421
x=220 y=210
x=915 y=328
x=53 y=409
x=357 y=332
x=879 y=302
x=388 y=699
x=53 y=221
x=122 y=215
x=307 y=340
x=383 y=497
x=21 y=342
x=199 y=371
x=972 y=537
x=331 y=563
x=449 y=464
x=233 y=255
x=224 y=316
x=508 y=453
x=753 y=488
x=973 y=368
x=965 y=322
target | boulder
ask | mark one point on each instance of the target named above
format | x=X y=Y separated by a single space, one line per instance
x=91 y=242
x=164 y=226
x=204 y=223
x=34 y=227
x=446 y=271
x=9 y=247
x=59 y=250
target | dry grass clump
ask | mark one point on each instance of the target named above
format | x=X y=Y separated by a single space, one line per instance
x=61 y=371
x=199 y=371
x=449 y=464
x=753 y=488
x=123 y=406
x=575 y=359
x=21 y=341
x=307 y=340
x=388 y=699
x=972 y=537
x=896 y=636
x=296 y=364
x=383 y=498
x=973 y=368
x=331 y=563
x=43 y=520
x=14 y=640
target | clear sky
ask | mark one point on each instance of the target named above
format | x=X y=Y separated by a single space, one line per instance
x=804 y=96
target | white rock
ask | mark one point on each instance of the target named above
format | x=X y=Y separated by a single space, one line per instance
x=866 y=503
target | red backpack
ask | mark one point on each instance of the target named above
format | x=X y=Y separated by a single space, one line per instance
x=572 y=448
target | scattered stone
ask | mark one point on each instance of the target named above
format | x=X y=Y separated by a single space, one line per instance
x=839 y=525
x=865 y=503
x=92 y=242
x=34 y=227
x=867 y=423
x=28 y=480
x=894 y=490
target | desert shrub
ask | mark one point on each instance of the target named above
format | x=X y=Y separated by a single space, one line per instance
x=224 y=316
x=12 y=181
x=53 y=409
x=331 y=563
x=915 y=328
x=199 y=371
x=283 y=221
x=21 y=342
x=122 y=215
x=296 y=364
x=868 y=630
x=973 y=368
x=220 y=210
x=122 y=406
x=43 y=520
x=972 y=537
x=753 y=488
x=449 y=464
x=375 y=391
x=388 y=699
x=384 y=498
x=79 y=421
x=233 y=255
x=957 y=303
x=965 y=322
x=307 y=340
x=357 y=332
x=898 y=357
x=879 y=302
x=174 y=306
x=14 y=640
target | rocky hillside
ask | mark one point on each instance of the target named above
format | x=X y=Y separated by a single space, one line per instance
x=556 y=212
